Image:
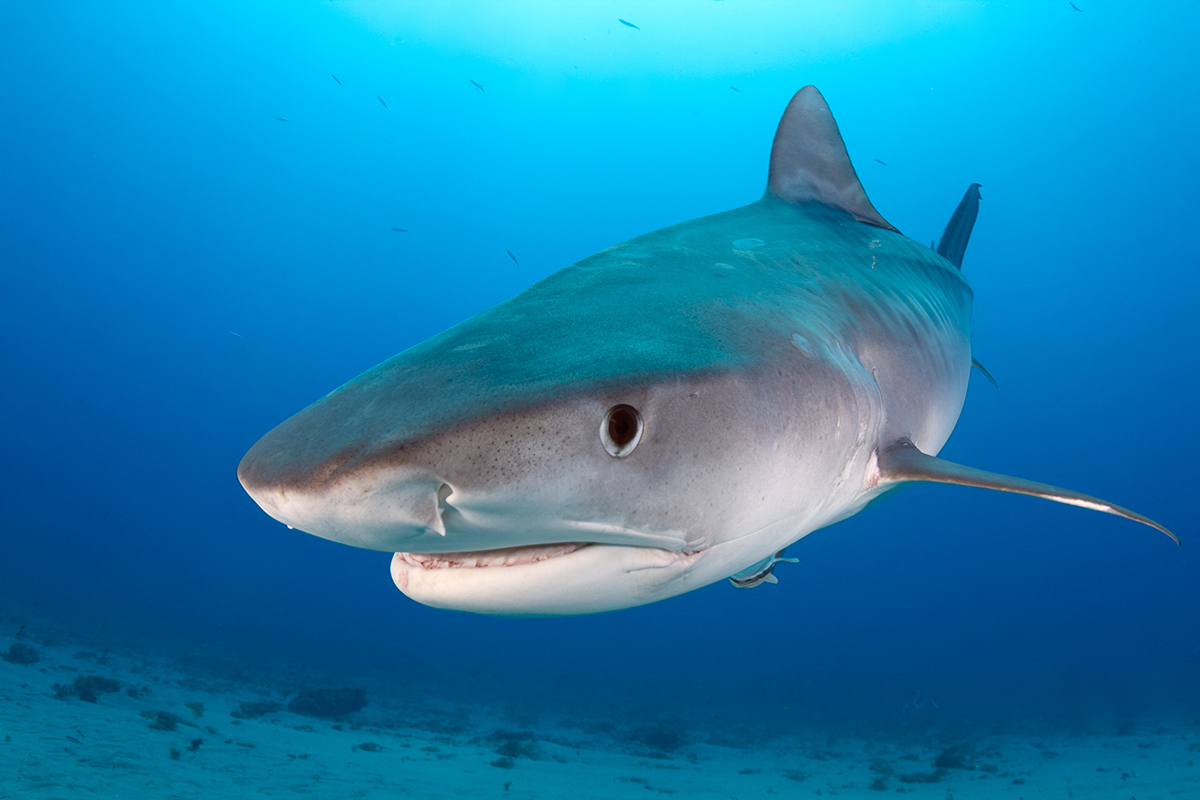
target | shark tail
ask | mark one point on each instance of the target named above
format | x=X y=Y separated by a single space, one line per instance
x=958 y=229
x=902 y=462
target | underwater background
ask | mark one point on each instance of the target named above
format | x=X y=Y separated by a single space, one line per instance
x=198 y=239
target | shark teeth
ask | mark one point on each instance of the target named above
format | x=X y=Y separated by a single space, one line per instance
x=504 y=557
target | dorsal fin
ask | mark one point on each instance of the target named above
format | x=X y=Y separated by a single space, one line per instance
x=809 y=160
x=904 y=463
x=958 y=229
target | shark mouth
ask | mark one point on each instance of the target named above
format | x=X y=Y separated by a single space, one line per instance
x=502 y=557
x=544 y=580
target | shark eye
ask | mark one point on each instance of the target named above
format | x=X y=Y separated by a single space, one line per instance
x=621 y=430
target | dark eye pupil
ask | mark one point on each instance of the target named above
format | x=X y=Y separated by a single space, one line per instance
x=622 y=426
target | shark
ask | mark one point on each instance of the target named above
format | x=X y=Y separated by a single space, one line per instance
x=670 y=412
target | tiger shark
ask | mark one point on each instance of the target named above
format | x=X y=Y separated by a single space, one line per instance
x=667 y=413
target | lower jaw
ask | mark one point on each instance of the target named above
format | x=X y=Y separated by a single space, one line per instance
x=582 y=579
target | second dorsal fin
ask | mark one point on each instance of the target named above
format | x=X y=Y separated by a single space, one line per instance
x=809 y=160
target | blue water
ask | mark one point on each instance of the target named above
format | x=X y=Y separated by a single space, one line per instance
x=182 y=270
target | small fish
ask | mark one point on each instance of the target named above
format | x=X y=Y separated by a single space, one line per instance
x=20 y=630
x=400 y=230
x=476 y=85
x=281 y=119
x=881 y=162
x=736 y=89
x=918 y=700
x=514 y=258
x=339 y=83
x=1077 y=8
x=628 y=24
x=231 y=333
x=380 y=99
x=73 y=739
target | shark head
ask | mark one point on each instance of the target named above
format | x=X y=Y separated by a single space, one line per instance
x=558 y=456
x=666 y=413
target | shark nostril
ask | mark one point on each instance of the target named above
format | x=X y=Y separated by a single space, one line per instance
x=436 y=524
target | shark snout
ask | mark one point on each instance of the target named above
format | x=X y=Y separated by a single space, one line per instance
x=392 y=509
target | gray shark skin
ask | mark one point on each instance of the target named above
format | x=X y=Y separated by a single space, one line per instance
x=671 y=411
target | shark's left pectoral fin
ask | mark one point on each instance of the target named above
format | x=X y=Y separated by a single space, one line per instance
x=986 y=374
x=902 y=462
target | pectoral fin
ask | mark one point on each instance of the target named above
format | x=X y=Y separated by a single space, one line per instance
x=986 y=374
x=902 y=462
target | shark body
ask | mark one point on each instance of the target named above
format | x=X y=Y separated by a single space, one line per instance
x=671 y=411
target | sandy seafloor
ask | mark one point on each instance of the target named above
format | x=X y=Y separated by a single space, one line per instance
x=405 y=743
